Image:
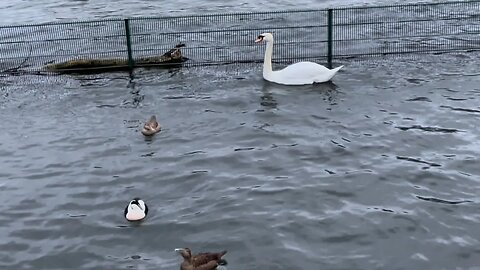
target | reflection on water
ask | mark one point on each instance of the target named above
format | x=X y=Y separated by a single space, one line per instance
x=352 y=174
x=136 y=98
x=267 y=99
x=327 y=90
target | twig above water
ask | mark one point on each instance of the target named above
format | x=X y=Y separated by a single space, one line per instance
x=14 y=70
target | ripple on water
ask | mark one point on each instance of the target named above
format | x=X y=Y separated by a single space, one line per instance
x=326 y=177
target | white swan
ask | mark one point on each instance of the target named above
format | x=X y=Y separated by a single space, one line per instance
x=296 y=74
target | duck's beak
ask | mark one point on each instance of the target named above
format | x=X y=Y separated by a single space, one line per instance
x=179 y=249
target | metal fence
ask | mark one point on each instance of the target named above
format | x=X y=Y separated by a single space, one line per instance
x=319 y=35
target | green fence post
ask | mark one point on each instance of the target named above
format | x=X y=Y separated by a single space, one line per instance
x=131 y=63
x=330 y=38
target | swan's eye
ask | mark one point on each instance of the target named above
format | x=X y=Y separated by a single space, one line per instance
x=260 y=37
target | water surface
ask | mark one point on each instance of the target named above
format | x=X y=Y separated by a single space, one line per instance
x=15 y=12
x=377 y=170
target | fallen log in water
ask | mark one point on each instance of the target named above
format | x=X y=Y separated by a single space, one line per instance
x=172 y=58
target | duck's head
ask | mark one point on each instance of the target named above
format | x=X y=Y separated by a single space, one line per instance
x=152 y=120
x=185 y=252
x=267 y=37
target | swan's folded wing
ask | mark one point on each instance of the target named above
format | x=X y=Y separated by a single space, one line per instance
x=300 y=73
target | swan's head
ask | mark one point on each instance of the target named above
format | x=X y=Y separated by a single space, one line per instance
x=267 y=37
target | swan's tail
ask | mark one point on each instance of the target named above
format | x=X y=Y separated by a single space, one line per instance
x=335 y=70
x=327 y=75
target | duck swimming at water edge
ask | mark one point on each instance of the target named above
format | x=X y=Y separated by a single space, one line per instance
x=300 y=73
x=151 y=127
x=136 y=210
x=201 y=261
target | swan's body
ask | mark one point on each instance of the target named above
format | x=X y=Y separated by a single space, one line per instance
x=296 y=74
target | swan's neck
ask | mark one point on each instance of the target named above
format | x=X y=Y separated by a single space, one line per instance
x=267 y=62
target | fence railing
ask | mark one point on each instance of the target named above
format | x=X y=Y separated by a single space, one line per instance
x=320 y=35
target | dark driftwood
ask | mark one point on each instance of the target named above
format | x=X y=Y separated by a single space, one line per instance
x=172 y=58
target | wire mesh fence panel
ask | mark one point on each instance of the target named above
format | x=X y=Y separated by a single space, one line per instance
x=317 y=35
x=35 y=46
x=416 y=28
x=229 y=38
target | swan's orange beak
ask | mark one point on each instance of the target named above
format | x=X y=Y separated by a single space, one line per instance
x=259 y=39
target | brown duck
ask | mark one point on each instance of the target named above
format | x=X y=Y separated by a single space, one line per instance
x=151 y=127
x=201 y=261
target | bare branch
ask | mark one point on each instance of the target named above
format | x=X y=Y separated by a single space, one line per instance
x=15 y=69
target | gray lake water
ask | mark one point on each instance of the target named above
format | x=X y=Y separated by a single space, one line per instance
x=377 y=170
x=14 y=12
